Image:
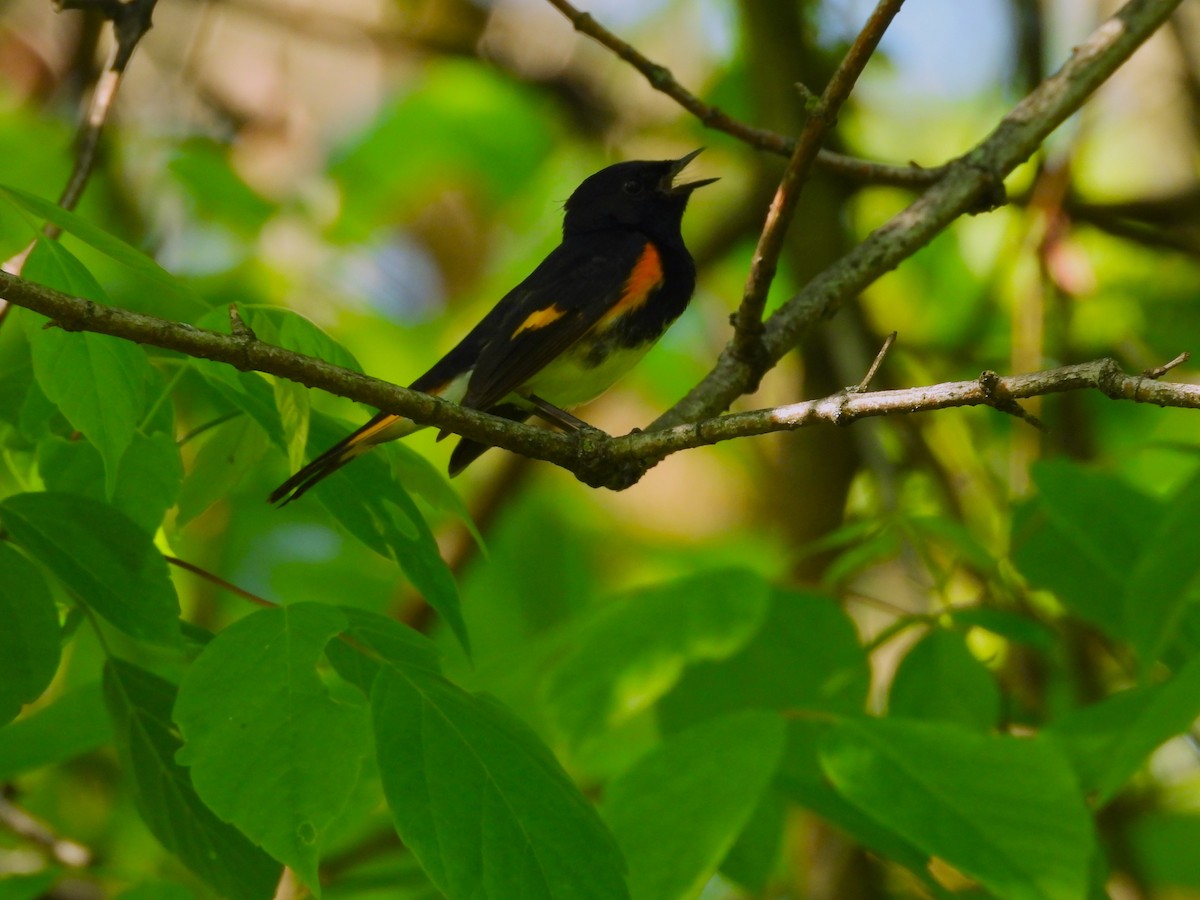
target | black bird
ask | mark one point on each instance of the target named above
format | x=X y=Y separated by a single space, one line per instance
x=565 y=334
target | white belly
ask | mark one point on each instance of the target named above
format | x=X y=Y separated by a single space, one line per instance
x=568 y=382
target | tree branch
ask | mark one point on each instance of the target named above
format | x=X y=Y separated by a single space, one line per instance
x=978 y=174
x=592 y=456
x=131 y=20
x=911 y=176
x=822 y=114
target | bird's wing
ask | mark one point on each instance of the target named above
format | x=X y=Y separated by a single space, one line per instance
x=570 y=292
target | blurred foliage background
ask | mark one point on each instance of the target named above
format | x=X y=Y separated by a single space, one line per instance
x=388 y=168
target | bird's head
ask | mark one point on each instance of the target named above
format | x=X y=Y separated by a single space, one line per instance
x=640 y=194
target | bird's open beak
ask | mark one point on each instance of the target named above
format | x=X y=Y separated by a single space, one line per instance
x=677 y=167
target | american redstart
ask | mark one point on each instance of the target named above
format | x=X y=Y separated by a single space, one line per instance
x=565 y=334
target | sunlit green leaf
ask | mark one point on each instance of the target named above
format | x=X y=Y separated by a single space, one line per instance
x=74 y=724
x=372 y=506
x=228 y=452
x=98 y=382
x=637 y=648
x=97 y=238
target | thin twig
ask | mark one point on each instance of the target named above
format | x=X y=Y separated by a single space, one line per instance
x=876 y=363
x=1160 y=371
x=999 y=398
x=219 y=581
x=911 y=176
x=130 y=20
x=748 y=326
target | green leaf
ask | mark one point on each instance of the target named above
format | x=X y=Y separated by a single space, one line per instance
x=1004 y=811
x=29 y=887
x=940 y=679
x=1115 y=557
x=1109 y=741
x=479 y=799
x=803 y=781
x=1162 y=583
x=227 y=453
x=247 y=391
x=74 y=724
x=806 y=655
x=373 y=507
x=420 y=477
x=754 y=855
x=148 y=475
x=52 y=264
x=956 y=538
x=269 y=749
x=291 y=400
x=97 y=382
x=1080 y=537
x=140 y=706
x=157 y=890
x=294 y=332
x=389 y=642
x=95 y=237
x=1163 y=846
x=29 y=640
x=637 y=648
x=109 y=563
x=1008 y=625
x=678 y=810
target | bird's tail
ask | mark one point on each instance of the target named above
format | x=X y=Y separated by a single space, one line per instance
x=384 y=427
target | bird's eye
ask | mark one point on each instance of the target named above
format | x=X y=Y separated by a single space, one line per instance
x=632 y=188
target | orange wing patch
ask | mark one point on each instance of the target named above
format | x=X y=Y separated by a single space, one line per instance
x=540 y=319
x=646 y=277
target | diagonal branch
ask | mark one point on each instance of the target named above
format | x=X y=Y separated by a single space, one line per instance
x=131 y=20
x=592 y=456
x=911 y=176
x=978 y=174
x=747 y=339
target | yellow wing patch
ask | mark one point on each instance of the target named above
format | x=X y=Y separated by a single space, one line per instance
x=540 y=319
x=646 y=277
